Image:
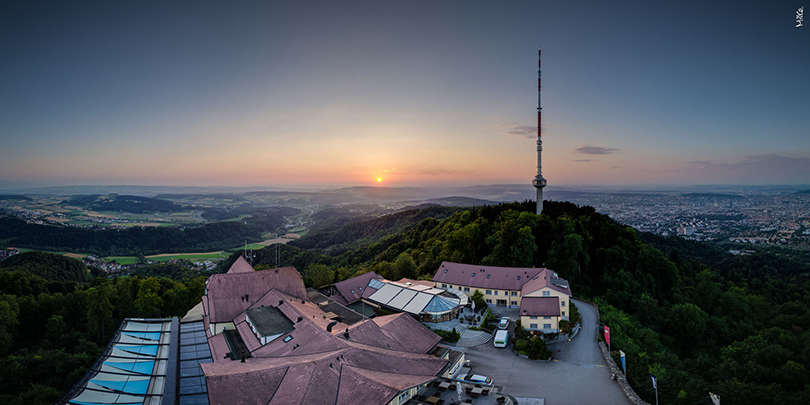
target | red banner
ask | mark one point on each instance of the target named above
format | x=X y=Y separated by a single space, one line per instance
x=607 y=335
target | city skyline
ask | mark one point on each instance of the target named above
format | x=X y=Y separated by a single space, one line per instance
x=402 y=94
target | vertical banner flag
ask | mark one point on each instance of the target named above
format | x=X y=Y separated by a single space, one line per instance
x=607 y=335
x=715 y=398
x=655 y=383
x=624 y=365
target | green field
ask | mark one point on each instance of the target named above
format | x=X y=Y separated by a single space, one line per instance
x=122 y=259
x=254 y=246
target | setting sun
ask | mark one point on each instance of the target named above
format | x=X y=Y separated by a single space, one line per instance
x=379 y=179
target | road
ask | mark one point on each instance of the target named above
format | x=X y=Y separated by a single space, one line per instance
x=577 y=375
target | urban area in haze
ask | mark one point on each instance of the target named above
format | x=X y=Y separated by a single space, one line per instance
x=404 y=202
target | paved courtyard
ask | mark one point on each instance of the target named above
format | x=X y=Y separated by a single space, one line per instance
x=577 y=375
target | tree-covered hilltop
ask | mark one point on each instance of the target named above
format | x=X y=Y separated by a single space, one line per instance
x=125 y=203
x=47 y=265
x=697 y=318
x=138 y=240
x=52 y=331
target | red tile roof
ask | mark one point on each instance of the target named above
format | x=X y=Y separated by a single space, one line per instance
x=353 y=289
x=240 y=266
x=380 y=358
x=545 y=279
x=540 y=306
x=471 y=275
x=225 y=298
x=358 y=374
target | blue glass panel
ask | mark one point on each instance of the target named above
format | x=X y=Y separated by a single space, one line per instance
x=144 y=335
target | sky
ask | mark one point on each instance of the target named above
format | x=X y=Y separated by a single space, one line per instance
x=403 y=93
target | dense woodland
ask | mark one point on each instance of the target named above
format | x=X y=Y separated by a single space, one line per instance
x=127 y=203
x=698 y=318
x=142 y=240
x=52 y=328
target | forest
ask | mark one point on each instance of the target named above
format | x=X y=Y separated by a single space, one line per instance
x=696 y=317
x=53 y=328
x=142 y=240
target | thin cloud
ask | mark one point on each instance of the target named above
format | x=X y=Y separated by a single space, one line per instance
x=595 y=150
x=515 y=129
x=583 y=160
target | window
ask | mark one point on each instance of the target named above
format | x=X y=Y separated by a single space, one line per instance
x=444 y=285
x=532 y=326
x=487 y=275
x=445 y=270
x=546 y=293
x=287 y=339
x=352 y=291
x=489 y=301
x=546 y=326
x=546 y=317
x=518 y=278
x=489 y=292
x=562 y=304
x=563 y=313
x=496 y=292
x=513 y=303
x=514 y=293
x=466 y=289
x=472 y=274
x=405 y=394
x=532 y=317
x=360 y=288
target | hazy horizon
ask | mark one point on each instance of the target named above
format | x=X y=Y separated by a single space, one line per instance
x=397 y=94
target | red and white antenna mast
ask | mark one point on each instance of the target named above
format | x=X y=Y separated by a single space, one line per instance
x=539 y=182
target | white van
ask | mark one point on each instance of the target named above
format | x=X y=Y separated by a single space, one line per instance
x=501 y=338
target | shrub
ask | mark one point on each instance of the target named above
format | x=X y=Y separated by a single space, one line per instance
x=538 y=350
x=521 y=345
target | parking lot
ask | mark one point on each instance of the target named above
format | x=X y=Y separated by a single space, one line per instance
x=577 y=375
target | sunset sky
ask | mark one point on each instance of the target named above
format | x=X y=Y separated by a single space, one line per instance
x=339 y=93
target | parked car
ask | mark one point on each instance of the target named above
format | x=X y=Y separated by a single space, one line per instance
x=476 y=379
x=504 y=323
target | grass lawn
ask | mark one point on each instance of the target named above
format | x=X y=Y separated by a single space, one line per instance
x=122 y=259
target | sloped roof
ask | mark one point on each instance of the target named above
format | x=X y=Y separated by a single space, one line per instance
x=355 y=374
x=225 y=298
x=240 y=266
x=313 y=366
x=352 y=289
x=484 y=277
x=540 y=306
x=545 y=279
x=397 y=332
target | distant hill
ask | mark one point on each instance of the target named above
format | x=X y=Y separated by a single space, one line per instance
x=126 y=203
x=343 y=231
x=47 y=265
x=803 y=192
x=15 y=197
x=712 y=195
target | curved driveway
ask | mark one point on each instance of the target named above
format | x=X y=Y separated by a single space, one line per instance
x=577 y=375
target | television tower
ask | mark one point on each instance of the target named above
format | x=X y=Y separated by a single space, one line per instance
x=539 y=182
